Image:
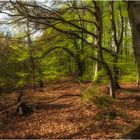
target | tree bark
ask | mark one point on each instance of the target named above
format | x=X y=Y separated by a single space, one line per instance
x=98 y=15
x=80 y=68
x=134 y=18
x=117 y=41
x=97 y=68
x=31 y=55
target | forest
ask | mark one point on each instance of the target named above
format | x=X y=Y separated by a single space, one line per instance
x=69 y=69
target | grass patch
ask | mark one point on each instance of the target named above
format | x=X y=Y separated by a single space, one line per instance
x=88 y=93
x=128 y=78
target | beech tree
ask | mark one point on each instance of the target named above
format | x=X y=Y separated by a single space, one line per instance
x=83 y=31
x=134 y=17
x=57 y=18
x=117 y=37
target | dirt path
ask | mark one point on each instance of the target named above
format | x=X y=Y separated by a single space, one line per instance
x=70 y=117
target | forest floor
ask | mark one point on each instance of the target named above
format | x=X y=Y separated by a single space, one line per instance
x=70 y=117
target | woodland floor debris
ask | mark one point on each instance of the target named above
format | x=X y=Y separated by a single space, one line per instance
x=69 y=117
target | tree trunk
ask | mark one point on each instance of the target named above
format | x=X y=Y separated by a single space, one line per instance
x=97 y=68
x=117 y=40
x=41 y=84
x=112 y=88
x=116 y=72
x=134 y=18
x=98 y=15
x=31 y=55
x=80 y=68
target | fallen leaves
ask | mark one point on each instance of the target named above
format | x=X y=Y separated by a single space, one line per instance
x=70 y=117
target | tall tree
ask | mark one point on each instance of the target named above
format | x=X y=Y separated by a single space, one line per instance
x=31 y=55
x=134 y=18
x=117 y=37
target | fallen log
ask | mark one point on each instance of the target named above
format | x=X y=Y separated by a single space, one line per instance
x=22 y=106
x=17 y=107
x=54 y=99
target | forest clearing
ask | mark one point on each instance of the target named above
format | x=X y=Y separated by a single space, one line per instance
x=69 y=69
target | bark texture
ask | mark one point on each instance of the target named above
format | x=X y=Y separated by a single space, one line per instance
x=134 y=18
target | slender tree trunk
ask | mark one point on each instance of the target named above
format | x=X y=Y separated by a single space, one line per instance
x=98 y=15
x=69 y=66
x=107 y=69
x=97 y=68
x=80 y=67
x=117 y=41
x=31 y=56
x=125 y=41
x=111 y=82
x=33 y=72
x=116 y=71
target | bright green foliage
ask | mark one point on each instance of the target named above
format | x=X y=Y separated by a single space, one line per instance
x=59 y=54
x=88 y=93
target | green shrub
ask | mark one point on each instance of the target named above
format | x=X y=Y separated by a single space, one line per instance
x=106 y=114
x=88 y=93
x=128 y=78
x=100 y=78
x=103 y=101
x=86 y=77
x=105 y=108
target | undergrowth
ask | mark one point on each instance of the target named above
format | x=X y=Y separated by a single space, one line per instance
x=105 y=105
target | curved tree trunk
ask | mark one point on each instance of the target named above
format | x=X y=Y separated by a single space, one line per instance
x=117 y=41
x=134 y=18
x=98 y=15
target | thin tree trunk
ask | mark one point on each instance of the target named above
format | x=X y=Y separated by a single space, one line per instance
x=80 y=67
x=117 y=41
x=98 y=15
x=31 y=56
x=97 y=68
